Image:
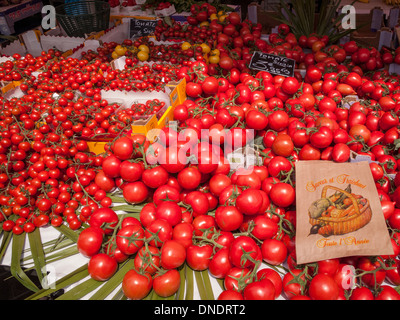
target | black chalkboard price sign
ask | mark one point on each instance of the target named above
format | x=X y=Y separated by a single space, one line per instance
x=274 y=64
x=141 y=27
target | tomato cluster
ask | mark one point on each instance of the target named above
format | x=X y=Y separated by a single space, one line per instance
x=184 y=205
x=139 y=110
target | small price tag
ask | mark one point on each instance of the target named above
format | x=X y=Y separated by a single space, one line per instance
x=141 y=27
x=273 y=64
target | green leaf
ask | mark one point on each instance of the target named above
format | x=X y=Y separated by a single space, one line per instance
x=221 y=283
x=189 y=283
x=397 y=289
x=302 y=21
x=119 y=295
x=200 y=285
x=62 y=254
x=36 y=247
x=70 y=234
x=128 y=208
x=7 y=236
x=81 y=290
x=181 y=291
x=71 y=278
x=117 y=199
x=207 y=285
x=16 y=270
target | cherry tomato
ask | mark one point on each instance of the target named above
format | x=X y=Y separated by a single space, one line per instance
x=135 y=285
x=90 y=241
x=166 y=284
x=102 y=267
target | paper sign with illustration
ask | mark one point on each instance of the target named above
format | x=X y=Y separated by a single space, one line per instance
x=338 y=212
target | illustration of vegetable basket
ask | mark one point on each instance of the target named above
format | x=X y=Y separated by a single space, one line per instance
x=340 y=213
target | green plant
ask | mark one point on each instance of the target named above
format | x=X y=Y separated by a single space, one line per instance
x=302 y=19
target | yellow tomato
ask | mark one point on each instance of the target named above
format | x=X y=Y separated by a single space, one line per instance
x=205 y=48
x=220 y=13
x=186 y=45
x=215 y=52
x=144 y=48
x=222 y=18
x=204 y=24
x=120 y=50
x=213 y=16
x=143 y=55
x=213 y=59
x=114 y=55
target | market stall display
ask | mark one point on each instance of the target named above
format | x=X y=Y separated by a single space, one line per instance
x=163 y=166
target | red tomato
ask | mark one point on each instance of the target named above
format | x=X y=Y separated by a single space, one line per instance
x=360 y=131
x=189 y=178
x=259 y=290
x=283 y=145
x=104 y=216
x=388 y=293
x=228 y=218
x=90 y=241
x=166 y=284
x=274 y=277
x=135 y=192
x=172 y=160
x=273 y=251
x=169 y=211
x=293 y=283
x=241 y=249
x=340 y=152
x=232 y=279
x=256 y=119
x=129 y=239
x=321 y=138
x=147 y=259
x=183 y=233
x=198 y=202
x=323 y=287
x=290 y=85
x=362 y=293
x=249 y=202
x=371 y=279
x=111 y=166
x=135 y=285
x=165 y=192
x=198 y=256
x=155 y=177
x=230 y=295
x=246 y=178
x=220 y=264
x=122 y=148
x=264 y=227
x=158 y=232
x=173 y=254
x=329 y=266
x=210 y=85
x=278 y=120
x=102 y=267
x=130 y=171
x=219 y=182
x=282 y=194
x=104 y=182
